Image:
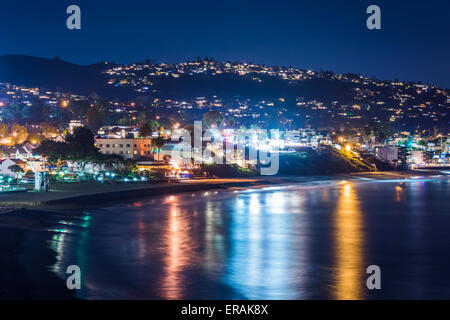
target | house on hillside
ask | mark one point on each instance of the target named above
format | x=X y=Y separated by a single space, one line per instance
x=24 y=151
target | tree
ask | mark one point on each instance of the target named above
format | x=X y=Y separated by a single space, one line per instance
x=35 y=138
x=158 y=143
x=54 y=152
x=381 y=131
x=82 y=138
x=154 y=125
x=79 y=108
x=17 y=170
x=124 y=121
x=367 y=133
x=423 y=143
x=384 y=131
x=126 y=167
x=19 y=134
x=109 y=161
x=95 y=117
x=145 y=130
x=212 y=119
x=142 y=117
x=4 y=131
x=79 y=147
x=48 y=130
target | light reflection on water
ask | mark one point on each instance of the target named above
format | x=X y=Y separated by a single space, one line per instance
x=277 y=243
x=259 y=262
x=179 y=249
x=349 y=245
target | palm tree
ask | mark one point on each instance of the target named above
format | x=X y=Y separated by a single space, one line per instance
x=158 y=142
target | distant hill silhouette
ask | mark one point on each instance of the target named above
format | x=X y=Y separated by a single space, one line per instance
x=54 y=74
x=58 y=75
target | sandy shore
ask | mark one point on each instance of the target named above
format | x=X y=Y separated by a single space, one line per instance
x=92 y=193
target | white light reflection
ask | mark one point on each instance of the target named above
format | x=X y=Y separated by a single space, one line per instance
x=276 y=202
x=255 y=206
x=262 y=235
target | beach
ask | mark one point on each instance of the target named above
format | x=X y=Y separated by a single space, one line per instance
x=75 y=195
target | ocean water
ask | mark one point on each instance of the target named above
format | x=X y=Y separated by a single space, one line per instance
x=306 y=241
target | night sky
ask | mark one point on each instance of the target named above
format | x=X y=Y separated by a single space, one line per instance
x=414 y=43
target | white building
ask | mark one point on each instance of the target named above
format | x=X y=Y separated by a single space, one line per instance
x=387 y=153
x=127 y=148
x=417 y=156
x=75 y=124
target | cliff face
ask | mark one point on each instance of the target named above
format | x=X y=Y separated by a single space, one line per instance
x=326 y=161
x=323 y=162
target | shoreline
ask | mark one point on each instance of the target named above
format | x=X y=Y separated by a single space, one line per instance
x=85 y=194
x=89 y=194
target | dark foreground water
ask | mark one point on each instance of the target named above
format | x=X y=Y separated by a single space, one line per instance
x=300 y=242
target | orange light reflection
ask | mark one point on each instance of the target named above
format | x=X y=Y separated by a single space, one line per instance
x=350 y=268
